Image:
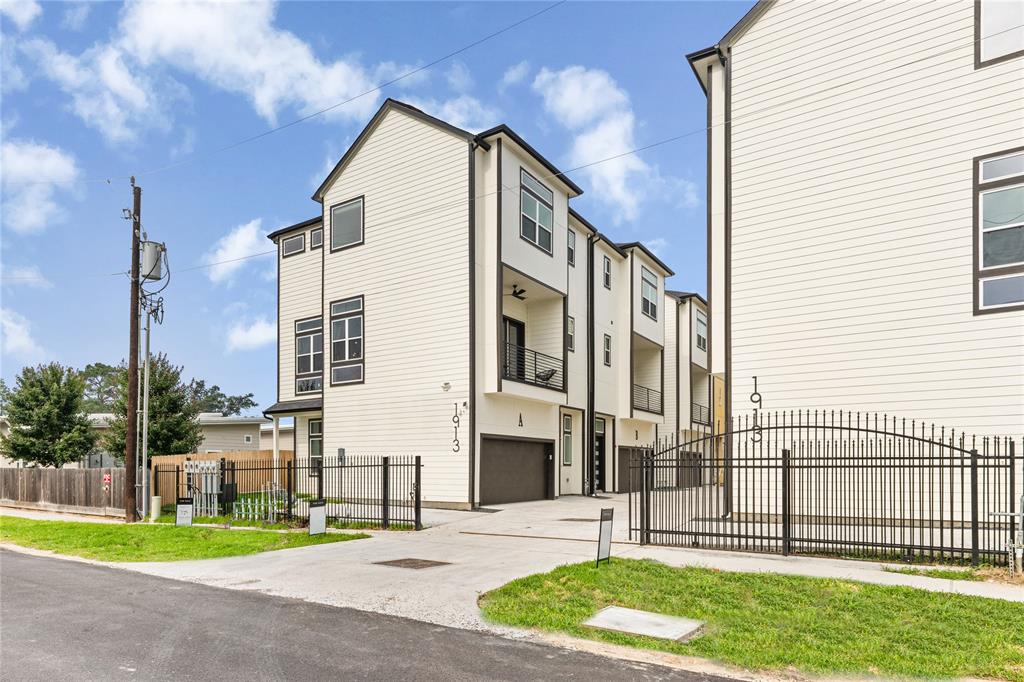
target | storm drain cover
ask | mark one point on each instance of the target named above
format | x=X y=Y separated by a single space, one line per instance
x=580 y=520
x=415 y=564
x=634 y=622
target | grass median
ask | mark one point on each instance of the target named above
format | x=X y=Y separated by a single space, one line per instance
x=773 y=622
x=151 y=542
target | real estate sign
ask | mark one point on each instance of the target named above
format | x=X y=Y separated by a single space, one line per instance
x=604 y=539
x=317 y=517
x=183 y=512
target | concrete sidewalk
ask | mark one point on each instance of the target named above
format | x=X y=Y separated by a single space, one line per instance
x=482 y=551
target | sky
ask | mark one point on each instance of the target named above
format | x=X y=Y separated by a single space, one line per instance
x=92 y=93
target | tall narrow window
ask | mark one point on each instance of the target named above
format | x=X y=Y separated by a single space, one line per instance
x=999 y=220
x=607 y=272
x=566 y=440
x=347 y=224
x=309 y=355
x=702 y=330
x=607 y=350
x=571 y=333
x=648 y=293
x=347 y=341
x=571 y=254
x=536 y=206
x=316 y=238
x=316 y=446
x=998 y=31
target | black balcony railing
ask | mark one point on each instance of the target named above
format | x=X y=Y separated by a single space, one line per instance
x=530 y=367
x=646 y=399
x=700 y=413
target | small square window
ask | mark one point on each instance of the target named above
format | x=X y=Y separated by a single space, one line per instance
x=293 y=245
x=316 y=238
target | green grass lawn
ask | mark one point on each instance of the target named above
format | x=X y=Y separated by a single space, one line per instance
x=766 y=621
x=285 y=525
x=943 y=573
x=151 y=542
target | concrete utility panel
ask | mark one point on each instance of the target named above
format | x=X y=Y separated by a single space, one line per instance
x=633 y=622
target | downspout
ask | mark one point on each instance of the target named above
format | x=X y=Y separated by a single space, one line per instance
x=590 y=420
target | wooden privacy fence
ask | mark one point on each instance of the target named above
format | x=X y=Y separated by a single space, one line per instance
x=84 y=490
x=169 y=480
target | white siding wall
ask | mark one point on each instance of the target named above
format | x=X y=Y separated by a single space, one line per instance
x=672 y=309
x=611 y=316
x=577 y=359
x=852 y=215
x=230 y=437
x=412 y=271
x=299 y=283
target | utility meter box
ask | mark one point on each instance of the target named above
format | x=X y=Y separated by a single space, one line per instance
x=152 y=265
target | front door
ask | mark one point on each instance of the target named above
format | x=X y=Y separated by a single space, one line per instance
x=599 y=456
x=515 y=349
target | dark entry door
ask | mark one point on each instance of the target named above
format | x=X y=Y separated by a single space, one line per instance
x=515 y=471
x=515 y=349
x=600 y=465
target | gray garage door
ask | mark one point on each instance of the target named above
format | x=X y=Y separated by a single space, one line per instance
x=515 y=471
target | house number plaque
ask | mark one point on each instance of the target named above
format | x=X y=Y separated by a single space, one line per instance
x=455 y=421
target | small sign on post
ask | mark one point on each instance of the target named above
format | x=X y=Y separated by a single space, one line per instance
x=604 y=539
x=183 y=512
x=317 y=517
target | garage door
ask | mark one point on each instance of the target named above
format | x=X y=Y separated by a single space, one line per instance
x=515 y=471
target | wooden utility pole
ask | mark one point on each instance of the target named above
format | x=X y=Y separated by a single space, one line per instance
x=131 y=439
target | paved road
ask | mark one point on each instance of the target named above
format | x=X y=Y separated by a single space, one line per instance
x=67 y=620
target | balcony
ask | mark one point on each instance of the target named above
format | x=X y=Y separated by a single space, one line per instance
x=531 y=367
x=646 y=399
x=700 y=414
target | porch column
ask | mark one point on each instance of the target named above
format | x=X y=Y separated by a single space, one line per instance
x=277 y=446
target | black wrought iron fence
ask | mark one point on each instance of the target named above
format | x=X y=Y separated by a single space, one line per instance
x=371 y=490
x=833 y=484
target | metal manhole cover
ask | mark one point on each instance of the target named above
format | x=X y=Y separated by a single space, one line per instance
x=415 y=564
x=580 y=520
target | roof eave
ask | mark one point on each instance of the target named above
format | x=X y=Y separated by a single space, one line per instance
x=297 y=226
x=503 y=129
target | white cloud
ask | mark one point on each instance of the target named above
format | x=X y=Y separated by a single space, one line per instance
x=21 y=12
x=248 y=336
x=464 y=112
x=28 y=276
x=591 y=105
x=32 y=173
x=75 y=16
x=106 y=92
x=236 y=47
x=657 y=245
x=459 y=77
x=16 y=337
x=235 y=250
x=514 y=75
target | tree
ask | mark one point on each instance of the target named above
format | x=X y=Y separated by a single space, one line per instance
x=48 y=424
x=5 y=396
x=100 y=387
x=213 y=399
x=173 y=414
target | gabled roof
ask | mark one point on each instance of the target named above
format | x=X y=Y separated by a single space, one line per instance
x=683 y=295
x=388 y=105
x=582 y=221
x=297 y=226
x=734 y=33
x=505 y=130
x=638 y=245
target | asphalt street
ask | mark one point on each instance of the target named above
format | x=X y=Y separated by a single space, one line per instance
x=69 y=620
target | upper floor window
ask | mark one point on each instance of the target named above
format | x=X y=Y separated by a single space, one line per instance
x=571 y=249
x=999 y=218
x=998 y=31
x=606 y=272
x=537 y=213
x=648 y=293
x=316 y=446
x=309 y=355
x=702 y=330
x=347 y=224
x=293 y=245
x=571 y=333
x=607 y=350
x=316 y=238
x=347 y=341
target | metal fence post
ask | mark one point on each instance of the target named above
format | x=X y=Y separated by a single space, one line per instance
x=385 y=493
x=786 y=540
x=1013 y=499
x=974 y=508
x=646 y=478
x=320 y=478
x=418 y=509
x=289 y=481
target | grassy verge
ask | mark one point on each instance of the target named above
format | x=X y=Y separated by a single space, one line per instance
x=145 y=542
x=942 y=573
x=766 y=621
x=286 y=525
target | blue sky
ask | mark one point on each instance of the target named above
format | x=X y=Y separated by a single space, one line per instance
x=93 y=92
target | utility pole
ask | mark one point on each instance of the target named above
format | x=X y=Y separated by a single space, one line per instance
x=131 y=439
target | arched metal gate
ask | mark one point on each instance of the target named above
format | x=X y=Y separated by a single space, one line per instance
x=830 y=483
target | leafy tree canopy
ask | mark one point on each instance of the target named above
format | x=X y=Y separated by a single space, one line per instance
x=48 y=423
x=213 y=399
x=100 y=387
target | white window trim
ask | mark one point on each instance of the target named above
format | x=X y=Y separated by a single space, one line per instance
x=566 y=432
x=570 y=251
x=313 y=243
x=312 y=374
x=346 y=315
x=570 y=327
x=981 y=169
x=301 y=238
x=701 y=318
x=652 y=303
x=983 y=230
x=981 y=292
x=606 y=273
x=607 y=350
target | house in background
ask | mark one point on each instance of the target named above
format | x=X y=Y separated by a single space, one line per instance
x=448 y=302
x=688 y=408
x=285 y=435
x=866 y=210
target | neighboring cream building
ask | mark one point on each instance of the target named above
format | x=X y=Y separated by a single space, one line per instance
x=866 y=209
x=449 y=303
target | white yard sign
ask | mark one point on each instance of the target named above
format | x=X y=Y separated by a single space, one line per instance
x=183 y=512
x=317 y=517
